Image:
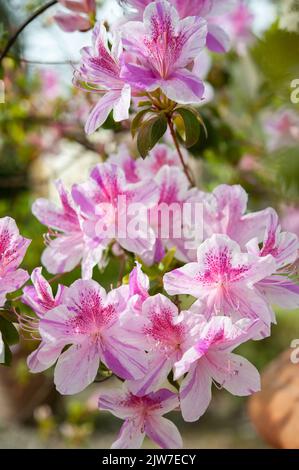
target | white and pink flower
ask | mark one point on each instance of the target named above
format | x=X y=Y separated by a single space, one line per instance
x=107 y=201
x=100 y=73
x=68 y=246
x=224 y=279
x=12 y=251
x=217 y=39
x=163 y=46
x=143 y=416
x=279 y=289
x=79 y=15
x=211 y=359
x=88 y=321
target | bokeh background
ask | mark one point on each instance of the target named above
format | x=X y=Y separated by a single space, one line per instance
x=250 y=142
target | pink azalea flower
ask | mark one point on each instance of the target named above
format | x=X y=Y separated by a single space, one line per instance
x=238 y=24
x=166 y=336
x=174 y=192
x=50 y=84
x=282 y=129
x=210 y=359
x=69 y=247
x=99 y=73
x=126 y=162
x=278 y=289
x=41 y=300
x=143 y=416
x=79 y=17
x=105 y=201
x=12 y=251
x=39 y=297
x=224 y=279
x=88 y=321
x=201 y=68
x=225 y=213
x=217 y=38
x=164 y=46
x=160 y=156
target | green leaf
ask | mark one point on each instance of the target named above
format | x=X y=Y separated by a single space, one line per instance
x=150 y=133
x=188 y=124
x=9 y=332
x=167 y=260
x=137 y=121
x=276 y=54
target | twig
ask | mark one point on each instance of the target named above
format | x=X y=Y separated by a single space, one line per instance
x=21 y=28
x=187 y=170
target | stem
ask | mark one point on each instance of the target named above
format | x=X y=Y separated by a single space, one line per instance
x=187 y=170
x=123 y=260
x=21 y=28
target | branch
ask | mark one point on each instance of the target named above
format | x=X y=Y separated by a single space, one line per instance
x=21 y=28
x=187 y=170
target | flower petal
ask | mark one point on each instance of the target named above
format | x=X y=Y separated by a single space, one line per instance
x=76 y=368
x=163 y=432
x=195 y=393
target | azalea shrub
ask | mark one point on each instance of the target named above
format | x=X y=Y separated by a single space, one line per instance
x=199 y=273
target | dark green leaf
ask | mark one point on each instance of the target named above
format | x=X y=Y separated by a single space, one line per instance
x=9 y=332
x=137 y=121
x=188 y=124
x=150 y=133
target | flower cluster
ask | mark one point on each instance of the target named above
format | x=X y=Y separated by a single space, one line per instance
x=199 y=273
x=12 y=251
x=240 y=269
x=159 y=48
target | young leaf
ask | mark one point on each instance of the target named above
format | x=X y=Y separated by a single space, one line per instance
x=150 y=133
x=137 y=121
x=10 y=334
x=188 y=121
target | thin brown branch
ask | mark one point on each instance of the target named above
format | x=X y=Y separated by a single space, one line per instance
x=186 y=169
x=21 y=28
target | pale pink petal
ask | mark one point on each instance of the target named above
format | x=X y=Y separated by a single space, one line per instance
x=195 y=393
x=183 y=280
x=159 y=367
x=163 y=432
x=168 y=401
x=70 y=22
x=131 y=435
x=281 y=291
x=117 y=402
x=44 y=357
x=217 y=39
x=234 y=373
x=63 y=254
x=183 y=87
x=121 y=107
x=125 y=360
x=101 y=111
x=76 y=368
